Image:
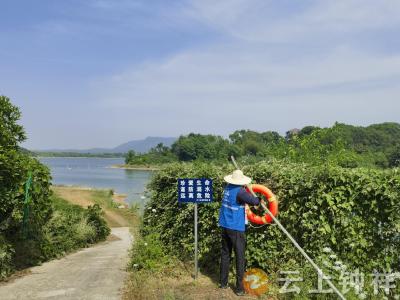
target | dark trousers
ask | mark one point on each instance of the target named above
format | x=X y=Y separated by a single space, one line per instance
x=236 y=240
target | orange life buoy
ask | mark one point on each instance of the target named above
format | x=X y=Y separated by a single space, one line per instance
x=272 y=206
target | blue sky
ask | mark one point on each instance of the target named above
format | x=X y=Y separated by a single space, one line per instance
x=97 y=73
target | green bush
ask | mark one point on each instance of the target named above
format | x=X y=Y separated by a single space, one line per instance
x=85 y=232
x=355 y=212
x=174 y=222
x=60 y=234
x=6 y=254
x=70 y=227
x=15 y=165
x=94 y=218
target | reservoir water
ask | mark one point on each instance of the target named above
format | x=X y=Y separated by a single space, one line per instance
x=96 y=173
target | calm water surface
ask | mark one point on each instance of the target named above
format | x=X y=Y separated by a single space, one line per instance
x=96 y=173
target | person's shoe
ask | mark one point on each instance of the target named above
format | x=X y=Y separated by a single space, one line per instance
x=223 y=286
x=240 y=293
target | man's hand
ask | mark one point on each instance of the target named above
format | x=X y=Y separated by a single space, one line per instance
x=259 y=206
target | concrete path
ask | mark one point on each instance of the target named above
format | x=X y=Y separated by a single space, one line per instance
x=92 y=273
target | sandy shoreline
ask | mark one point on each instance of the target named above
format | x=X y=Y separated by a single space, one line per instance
x=117 y=198
x=117 y=157
x=139 y=168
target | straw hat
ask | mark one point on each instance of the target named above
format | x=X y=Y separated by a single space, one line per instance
x=237 y=178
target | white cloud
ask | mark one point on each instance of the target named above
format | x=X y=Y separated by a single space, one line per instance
x=272 y=21
x=224 y=74
x=258 y=64
x=276 y=86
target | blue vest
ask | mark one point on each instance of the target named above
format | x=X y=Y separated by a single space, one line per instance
x=232 y=214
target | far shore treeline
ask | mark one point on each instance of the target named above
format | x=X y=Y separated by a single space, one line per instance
x=75 y=154
x=376 y=146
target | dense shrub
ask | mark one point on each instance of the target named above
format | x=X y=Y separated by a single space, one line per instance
x=44 y=227
x=14 y=173
x=6 y=252
x=355 y=212
x=70 y=227
x=15 y=166
x=174 y=222
x=95 y=219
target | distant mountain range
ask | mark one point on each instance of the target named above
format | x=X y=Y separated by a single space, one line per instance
x=136 y=145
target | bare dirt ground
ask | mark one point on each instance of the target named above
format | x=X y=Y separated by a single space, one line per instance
x=92 y=273
x=182 y=287
x=78 y=196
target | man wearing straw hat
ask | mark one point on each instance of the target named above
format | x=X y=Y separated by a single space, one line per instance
x=232 y=222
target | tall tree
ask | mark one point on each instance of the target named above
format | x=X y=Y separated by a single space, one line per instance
x=11 y=133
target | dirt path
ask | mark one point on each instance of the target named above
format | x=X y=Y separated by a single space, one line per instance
x=92 y=273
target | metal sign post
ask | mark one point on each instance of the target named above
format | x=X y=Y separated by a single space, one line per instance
x=195 y=190
x=196 y=268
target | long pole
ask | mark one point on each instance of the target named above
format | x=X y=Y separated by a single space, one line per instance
x=320 y=272
x=196 y=269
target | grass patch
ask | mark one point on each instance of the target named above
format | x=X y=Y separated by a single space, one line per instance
x=104 y=198
x=149 y=254
x=157 y=274
x=130 y=217
x=153 y=271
